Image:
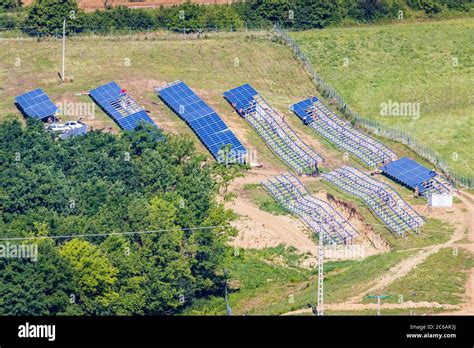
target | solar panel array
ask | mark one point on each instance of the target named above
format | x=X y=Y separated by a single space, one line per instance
x=203 y=120
x=36 y=104
x=301 y=109
x=408 y=171
x=120 y=106
x=340 y=132
x=413 y=175
x=276 y=133
x=291 y=194
x=381 y=198
x=241 y=97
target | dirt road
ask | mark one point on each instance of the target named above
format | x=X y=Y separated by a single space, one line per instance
x=462 y=216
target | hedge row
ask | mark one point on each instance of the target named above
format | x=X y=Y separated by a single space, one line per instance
x=45 y=16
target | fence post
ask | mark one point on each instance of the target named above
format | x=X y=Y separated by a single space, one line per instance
x=368 y=124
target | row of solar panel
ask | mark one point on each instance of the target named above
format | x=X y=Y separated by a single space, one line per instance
x=278 y=135
x=184 y=102
x=106 y=92
x=211 y=124
x=408 y=172
x=241 y=97
x=131 y=122
x=120 y=106
x=300 y=109
x=36 y=104
x=203 y=120
x=404 y=170
x=194 y=111
x=215 y=142
x=123 y=109
x=110 y=97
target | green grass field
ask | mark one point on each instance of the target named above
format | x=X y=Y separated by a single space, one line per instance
x=214 y=64
x=269 y=282
x=441 y=278
x=430 y=63
x=262 y=199
x=210 y=66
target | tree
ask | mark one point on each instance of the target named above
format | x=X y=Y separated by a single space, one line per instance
x=94 y=275
x=372 y=9
x=211 y=249
x=170 y=282
x=316 y=13
x=224 y=175
x=187 y=16
x=43 y=287
x=227 y=169
x=100 y=183
x=222 y=17
x=144 y=136
x=130 y=286
x=458 y=5
x=45 y=17
x=430 y=7
x=8 y=4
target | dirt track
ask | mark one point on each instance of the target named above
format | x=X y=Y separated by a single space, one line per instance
x=373 y=306
x=464 y=220
x=259 y=229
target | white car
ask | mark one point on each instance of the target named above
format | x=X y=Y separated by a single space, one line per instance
x=74 y=124
x=58 y=128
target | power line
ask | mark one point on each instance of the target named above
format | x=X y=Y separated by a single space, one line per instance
x=111 y=233
x=156 y=231
x=372 y=224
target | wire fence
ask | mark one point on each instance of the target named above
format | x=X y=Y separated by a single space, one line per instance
x=131 y=33
x=31 y=32
x=371 y=125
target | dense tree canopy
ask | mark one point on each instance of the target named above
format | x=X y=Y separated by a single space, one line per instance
x=46 y=16
x=102 y=183
x=36 y=288
x=7 y=4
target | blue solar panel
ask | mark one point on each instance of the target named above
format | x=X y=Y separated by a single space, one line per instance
x=240 y=97
x=408 y=172
x=120 y=106
x=36 y=104
x=301 y=109
x=204 y=121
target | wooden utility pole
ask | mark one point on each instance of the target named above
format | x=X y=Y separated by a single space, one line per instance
x=64 y=50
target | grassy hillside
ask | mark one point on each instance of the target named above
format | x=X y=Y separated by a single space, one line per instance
x=261 y=283
x=269 y=282
x=210 y=66
x=214 y=64
x=406 y=63
x=441 y=278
